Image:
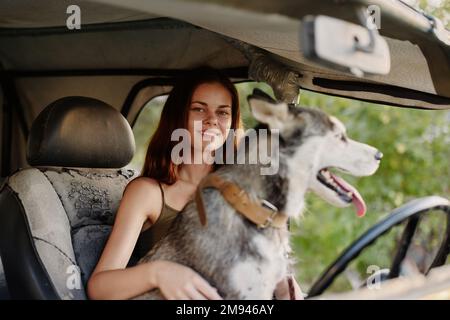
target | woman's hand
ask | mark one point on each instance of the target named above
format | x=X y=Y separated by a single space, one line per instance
x=178 y=282
x=282 y=290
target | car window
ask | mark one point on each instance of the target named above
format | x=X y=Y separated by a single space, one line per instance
x=144 y=127
x=398 y=133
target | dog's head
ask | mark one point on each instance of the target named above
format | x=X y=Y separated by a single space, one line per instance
x=312 y=143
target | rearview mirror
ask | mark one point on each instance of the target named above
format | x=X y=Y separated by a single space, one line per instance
x=344 y=46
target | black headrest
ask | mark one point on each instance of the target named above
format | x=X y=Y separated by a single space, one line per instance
x=80 y=132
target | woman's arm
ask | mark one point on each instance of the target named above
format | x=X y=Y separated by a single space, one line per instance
x=112 y=280
x=122 y=284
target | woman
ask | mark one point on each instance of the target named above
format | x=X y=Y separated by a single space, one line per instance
x=150 y=202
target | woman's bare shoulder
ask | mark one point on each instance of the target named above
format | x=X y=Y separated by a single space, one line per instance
x=143 y=192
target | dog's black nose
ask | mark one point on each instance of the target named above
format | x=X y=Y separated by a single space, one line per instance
x=378 y=155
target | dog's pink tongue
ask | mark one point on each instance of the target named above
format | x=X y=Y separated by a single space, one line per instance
x=357 y=199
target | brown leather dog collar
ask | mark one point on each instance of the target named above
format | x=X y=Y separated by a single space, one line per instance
x=262 y=213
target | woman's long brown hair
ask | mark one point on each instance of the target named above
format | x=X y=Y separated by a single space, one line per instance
x=158 y=163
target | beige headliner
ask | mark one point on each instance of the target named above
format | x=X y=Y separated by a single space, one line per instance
x=174 y=44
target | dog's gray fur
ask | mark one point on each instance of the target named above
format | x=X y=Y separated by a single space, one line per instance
x=230 y=244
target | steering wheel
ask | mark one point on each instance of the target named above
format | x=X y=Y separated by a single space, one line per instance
x=411 y=211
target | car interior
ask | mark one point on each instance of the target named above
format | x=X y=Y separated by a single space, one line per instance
x=69 y=100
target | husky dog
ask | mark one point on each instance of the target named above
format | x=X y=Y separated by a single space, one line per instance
x=240 y=259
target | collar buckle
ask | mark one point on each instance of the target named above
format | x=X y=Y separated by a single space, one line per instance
x=266 y=204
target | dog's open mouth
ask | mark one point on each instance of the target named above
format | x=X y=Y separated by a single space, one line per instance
x=346 y=192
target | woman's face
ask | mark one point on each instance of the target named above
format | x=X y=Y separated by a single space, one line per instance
x=210 y=116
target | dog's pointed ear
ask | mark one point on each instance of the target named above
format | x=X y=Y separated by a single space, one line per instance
x=259 y=94
x=267 y=110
